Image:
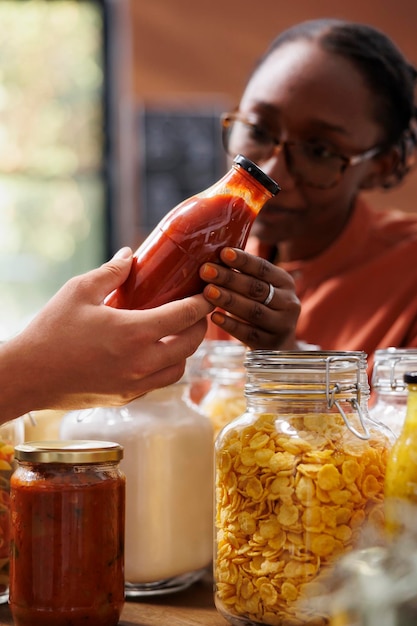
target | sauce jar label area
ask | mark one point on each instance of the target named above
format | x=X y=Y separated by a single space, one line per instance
x=67 y=534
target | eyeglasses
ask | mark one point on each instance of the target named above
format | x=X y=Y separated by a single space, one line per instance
x=309 y=162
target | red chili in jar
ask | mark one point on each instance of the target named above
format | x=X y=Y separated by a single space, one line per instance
x=67 y=534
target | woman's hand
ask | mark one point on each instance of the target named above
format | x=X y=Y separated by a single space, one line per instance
x=258 y=299
x=78 y=352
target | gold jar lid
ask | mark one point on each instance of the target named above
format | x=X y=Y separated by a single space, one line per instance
x=69 y=451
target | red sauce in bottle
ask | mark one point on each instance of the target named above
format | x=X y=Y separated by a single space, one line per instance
x=67 y=535
x=166 y=266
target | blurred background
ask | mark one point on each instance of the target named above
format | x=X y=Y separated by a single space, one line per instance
x=109 y=116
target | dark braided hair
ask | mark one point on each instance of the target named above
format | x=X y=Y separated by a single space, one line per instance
x=386 y=72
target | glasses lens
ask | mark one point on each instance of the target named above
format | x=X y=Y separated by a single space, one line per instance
x=312 y=165
x=243 y=138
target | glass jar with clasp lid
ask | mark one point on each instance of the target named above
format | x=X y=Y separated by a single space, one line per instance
x=299 y=477
x=217 y=374
x=389 y=389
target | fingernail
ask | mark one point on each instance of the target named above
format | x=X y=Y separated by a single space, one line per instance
x=218 y=318
x=213 y=293
x=123 y=253
x=229 y=254
x=208 y=272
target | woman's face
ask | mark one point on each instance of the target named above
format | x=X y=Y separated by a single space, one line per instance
x=303 y=93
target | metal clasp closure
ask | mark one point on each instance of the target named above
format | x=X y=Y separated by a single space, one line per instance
x=395 y=369
x=333 y=389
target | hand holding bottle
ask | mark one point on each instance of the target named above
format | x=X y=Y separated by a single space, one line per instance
x=260 y=307
x=80 y=353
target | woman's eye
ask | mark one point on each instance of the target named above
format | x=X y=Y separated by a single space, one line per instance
x=318 y=151
x=259 y=135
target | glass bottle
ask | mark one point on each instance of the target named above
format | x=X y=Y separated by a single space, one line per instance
x=168 y=463
x=388 y=387
x=218 y=379
x=68 y=507
x=299 y=477
x=401 y=472
x=373 y=586
x=11 y=434
x=166 y=266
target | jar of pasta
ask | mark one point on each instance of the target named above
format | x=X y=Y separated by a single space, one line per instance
x=11 y=433
x=67 y=534
x=389 y=389
x=168 y=463
x=299 y=481
x=217 y=370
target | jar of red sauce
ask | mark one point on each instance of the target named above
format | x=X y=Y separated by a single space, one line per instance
x=67 y=534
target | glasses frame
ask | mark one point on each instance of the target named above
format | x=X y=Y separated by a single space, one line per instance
x=228 y=118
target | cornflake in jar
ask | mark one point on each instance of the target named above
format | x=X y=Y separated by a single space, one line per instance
x=299 y=477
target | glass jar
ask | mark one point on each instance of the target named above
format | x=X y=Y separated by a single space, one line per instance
x=388 y=387
x=11 y=433
x=299 y=476
x=168 y=462
x=67 y=533
x=218 y=374
x=43 y=425
x=374 y=586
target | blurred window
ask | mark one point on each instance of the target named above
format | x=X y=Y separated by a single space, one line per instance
x=54 y=195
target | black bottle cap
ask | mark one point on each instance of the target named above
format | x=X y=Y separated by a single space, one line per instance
x=257 y=173
x=410 y=377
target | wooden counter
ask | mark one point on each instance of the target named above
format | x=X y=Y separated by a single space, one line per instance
x=192 y=607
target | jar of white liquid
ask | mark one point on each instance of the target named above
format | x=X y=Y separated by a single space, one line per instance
x=168 y=463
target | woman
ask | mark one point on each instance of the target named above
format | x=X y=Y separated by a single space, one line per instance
x=328 y=112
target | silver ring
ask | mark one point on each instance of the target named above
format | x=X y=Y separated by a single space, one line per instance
x=270 y=295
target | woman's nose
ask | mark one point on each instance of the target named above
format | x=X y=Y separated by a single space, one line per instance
x=276 y=166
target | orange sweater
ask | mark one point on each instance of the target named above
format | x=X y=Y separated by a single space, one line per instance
x=360 y=293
